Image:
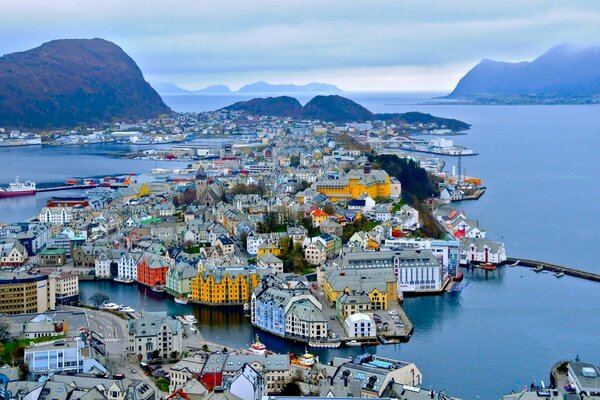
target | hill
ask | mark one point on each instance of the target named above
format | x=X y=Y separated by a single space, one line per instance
x=67 y=82
x=564 y=72
x=336 y=109
x=283 y=106
x=264 y=87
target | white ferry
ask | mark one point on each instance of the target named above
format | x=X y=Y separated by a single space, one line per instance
x=17 y=188
x=109 y=306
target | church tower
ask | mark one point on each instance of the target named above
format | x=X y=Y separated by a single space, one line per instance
x=201 y=182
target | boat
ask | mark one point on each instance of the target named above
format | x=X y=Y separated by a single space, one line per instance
x=109 y=306
x=539 y=268
x=459 y=277
x=514 y=264
x=158 y=289
x=559 y=274
x=353 y=343
x=190 y=319
x=180 y=300
x=126 y=309
x=124 y=280
x=71 y=182
x=326 y=345
x=305 y=360
x=487 y=266
x=17 y=188
x=67 y=201
x=257 y=347
x=246 y=306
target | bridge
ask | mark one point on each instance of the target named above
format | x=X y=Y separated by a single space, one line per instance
x=590 y=276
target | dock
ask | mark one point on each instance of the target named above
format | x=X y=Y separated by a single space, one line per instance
x=590 y=276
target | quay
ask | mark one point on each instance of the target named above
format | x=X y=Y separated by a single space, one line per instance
x=57 y=188
x=590 y=276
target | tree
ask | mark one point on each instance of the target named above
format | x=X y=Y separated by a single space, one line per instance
x=4 y=327
x=98 y=299
x=173 y=355
x=291 y=389
x=329 y=210
x=156 y=354
x=205 y=348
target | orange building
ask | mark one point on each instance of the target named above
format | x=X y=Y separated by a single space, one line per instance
x=152 y=270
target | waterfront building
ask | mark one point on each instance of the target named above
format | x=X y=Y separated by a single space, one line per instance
x=152 y=270
x=375 y=183
x=127 y=265
x=180 y=278
x=481 y=250
x=154 y=335
x=12 y=254
x=359 y=325
x=415 y=270
x=351 y=302
x=56 y=215
x=224 y=286
x=23 y=293
x=446 y=251
x=67 y=287
x=379 y=284
x=304 y=320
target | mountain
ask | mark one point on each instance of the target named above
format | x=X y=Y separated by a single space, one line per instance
x=168 y=88
x=336 y=109
x=67 y=82
x=283 y=106
x=562 y=72
x=264 y=87
x=214 y=89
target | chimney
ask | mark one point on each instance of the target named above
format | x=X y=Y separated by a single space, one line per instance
x=345 y=381
x=367 y=168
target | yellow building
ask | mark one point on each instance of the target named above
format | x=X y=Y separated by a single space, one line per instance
x=224 y=286
x=376 y=183
x=268 y=248
x=378 y=283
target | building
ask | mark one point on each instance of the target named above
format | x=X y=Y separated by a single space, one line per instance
x=375 y=183
x=184 y=370
x=180 y=278
x=446 y=251
x=52 y=257
x=97 y=387
x=275 y=368
x=127 y=265
x=415 y=270
x=154 y=335
x=359 y=325
x=350 y=303
x=315 y=253
x=224 y=286
x=56 y=215
x=67 y=287
x=12 y=254
x=23 y=293
x=481 y=250
x=42 y=326
x=379 y=284
x=269 y=262
x=152 y=270
x=247 y=384
x=585 y=377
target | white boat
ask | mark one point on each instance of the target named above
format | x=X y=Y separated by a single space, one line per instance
x=126 y=309
x=326 y=345
x=246 y=306
x=180 y=300
x=559 y=274
x=158 y=289
x=124 y=280
x=353 y=343
x=109 y=306
x=257 y=347
x=190 y=319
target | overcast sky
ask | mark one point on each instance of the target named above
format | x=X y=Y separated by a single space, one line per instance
x=389 y=45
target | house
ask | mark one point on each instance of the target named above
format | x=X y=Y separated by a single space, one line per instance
x=317 y=216
x=331 y=226
x=359 y=325
x=275 y=369
x=154 y=335
x=247 y=384
x=270 y=262
x=380 y=213
x=226 y=245
x=379 y=284
x=152 y=270
x=52 y=257
x=359 y=240
x=184 y=370
x=364 y=203
x=180 y=278
x=315 y=253
x=12 y=254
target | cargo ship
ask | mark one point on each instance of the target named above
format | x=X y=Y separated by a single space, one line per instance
x=67 y=201
x=17 y=188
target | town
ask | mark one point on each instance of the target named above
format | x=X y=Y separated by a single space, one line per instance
x=316 y=231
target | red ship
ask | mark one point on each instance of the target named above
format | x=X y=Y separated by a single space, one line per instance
x=17 y=188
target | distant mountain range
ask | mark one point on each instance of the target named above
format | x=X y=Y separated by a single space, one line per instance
x=335 y=109
x=563 y=74
x=68 y=82
x=256 y=88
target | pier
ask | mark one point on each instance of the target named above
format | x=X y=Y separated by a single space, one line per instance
x=590 y=276
x=57 y=188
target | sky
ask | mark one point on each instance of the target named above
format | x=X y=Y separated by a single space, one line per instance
x=356 y=45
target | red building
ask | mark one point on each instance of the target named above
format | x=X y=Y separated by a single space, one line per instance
x=152 y=270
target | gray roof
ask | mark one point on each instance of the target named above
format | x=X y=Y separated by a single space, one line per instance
x=269 y=362
x=149 y=324
x=360 y=279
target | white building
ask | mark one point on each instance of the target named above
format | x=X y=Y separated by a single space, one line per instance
x=56 y=215
x=155 y=332
x=360 y=325
x=247 y=384
x=127 y=265
x=481 y=250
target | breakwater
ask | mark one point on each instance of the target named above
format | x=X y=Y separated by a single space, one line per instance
x=554 y=268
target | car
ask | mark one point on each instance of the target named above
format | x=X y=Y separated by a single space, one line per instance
x=332 y=317
x=134 y=371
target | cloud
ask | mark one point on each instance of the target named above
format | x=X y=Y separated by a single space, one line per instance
x=207 y=42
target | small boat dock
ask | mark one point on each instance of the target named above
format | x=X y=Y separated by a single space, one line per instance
x=544 y=266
